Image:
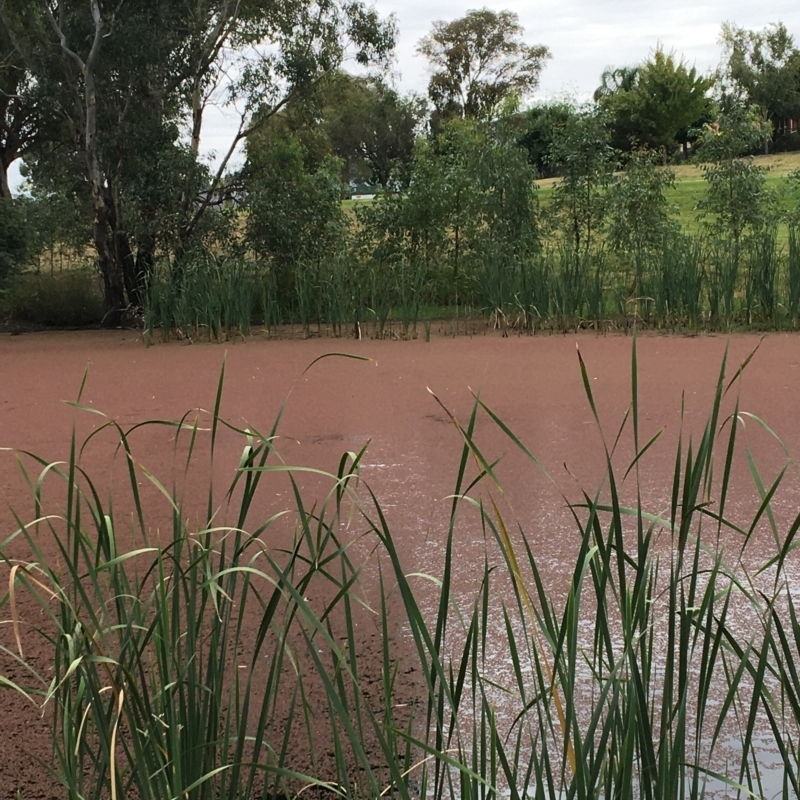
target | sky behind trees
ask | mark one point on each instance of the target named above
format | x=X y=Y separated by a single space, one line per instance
x=584 y=37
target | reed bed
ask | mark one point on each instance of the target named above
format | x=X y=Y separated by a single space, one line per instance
x=690 y=283
x=196 y=666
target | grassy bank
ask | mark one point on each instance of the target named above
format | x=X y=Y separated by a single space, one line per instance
x=203 y=664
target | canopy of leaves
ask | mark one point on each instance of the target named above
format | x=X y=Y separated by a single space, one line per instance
x=763 y=68
x=371 y=127
x=127 y=85
x=583 y=156
x=638 y=210
x=471 y=197
x=660 y=100
x=737 y=200
x=541 y=125
x=293 y=203
x=478 y=60
x=615 y=80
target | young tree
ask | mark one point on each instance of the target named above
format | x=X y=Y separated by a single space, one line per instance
x=737 y=200
x=294 y=209
x=584 y=158
x=638 y=210
x=478 y=61
x=762 y=68
x=471 y=197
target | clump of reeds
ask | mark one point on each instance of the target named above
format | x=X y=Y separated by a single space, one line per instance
x=182 y=666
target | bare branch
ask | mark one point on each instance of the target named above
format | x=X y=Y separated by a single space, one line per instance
x=98 y=34
x=62 y=37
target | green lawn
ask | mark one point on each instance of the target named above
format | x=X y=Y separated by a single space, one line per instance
x=690 y=186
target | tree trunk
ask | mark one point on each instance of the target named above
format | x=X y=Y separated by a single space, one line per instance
x=102 y=229
x=5 y=189
x=685 y=147
x=123 y=254
x=113 y=284
x=110 y=267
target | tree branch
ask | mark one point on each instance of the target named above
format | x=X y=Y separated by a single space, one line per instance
x=62 y=39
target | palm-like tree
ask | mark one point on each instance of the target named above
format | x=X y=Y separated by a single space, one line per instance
x=615 y=80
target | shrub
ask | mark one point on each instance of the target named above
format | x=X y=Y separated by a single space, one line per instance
x=70 y=299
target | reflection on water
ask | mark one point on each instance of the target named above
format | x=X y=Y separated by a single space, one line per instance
x=553 y=540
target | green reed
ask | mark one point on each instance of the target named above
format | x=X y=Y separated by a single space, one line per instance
x=762 y=272
x=194 y=664
x=793 y=276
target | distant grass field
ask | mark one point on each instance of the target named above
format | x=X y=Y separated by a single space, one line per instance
x=690 y=186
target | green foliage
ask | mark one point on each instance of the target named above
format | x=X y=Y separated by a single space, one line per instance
x=638 y=210
x=114 y=113
x=294 y=213
x=585 y=160
x=790 y=198
x=471 y=200
x=662 y=98
x=737 y=202
x=676 y=281
x=68 y=299
x=16 y=236
x=793 y=276
x=372 y=128
x=478 y=61
x=209 y=298
x=542 y=125
x=762 y=68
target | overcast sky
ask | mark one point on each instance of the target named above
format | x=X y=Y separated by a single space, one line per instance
x=584 y=37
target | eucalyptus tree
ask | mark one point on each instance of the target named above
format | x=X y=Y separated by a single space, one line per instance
x=479 y=60
x=20 y=118
x=737 y=200
x=372 y=127
x=293 y=201
x=762 y=68
x=585 y=159
x=131 y=83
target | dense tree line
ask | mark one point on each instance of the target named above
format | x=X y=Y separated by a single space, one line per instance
x=105 y=103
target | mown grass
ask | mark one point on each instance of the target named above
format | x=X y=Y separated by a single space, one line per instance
x=690 y=187
x=182 y=667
